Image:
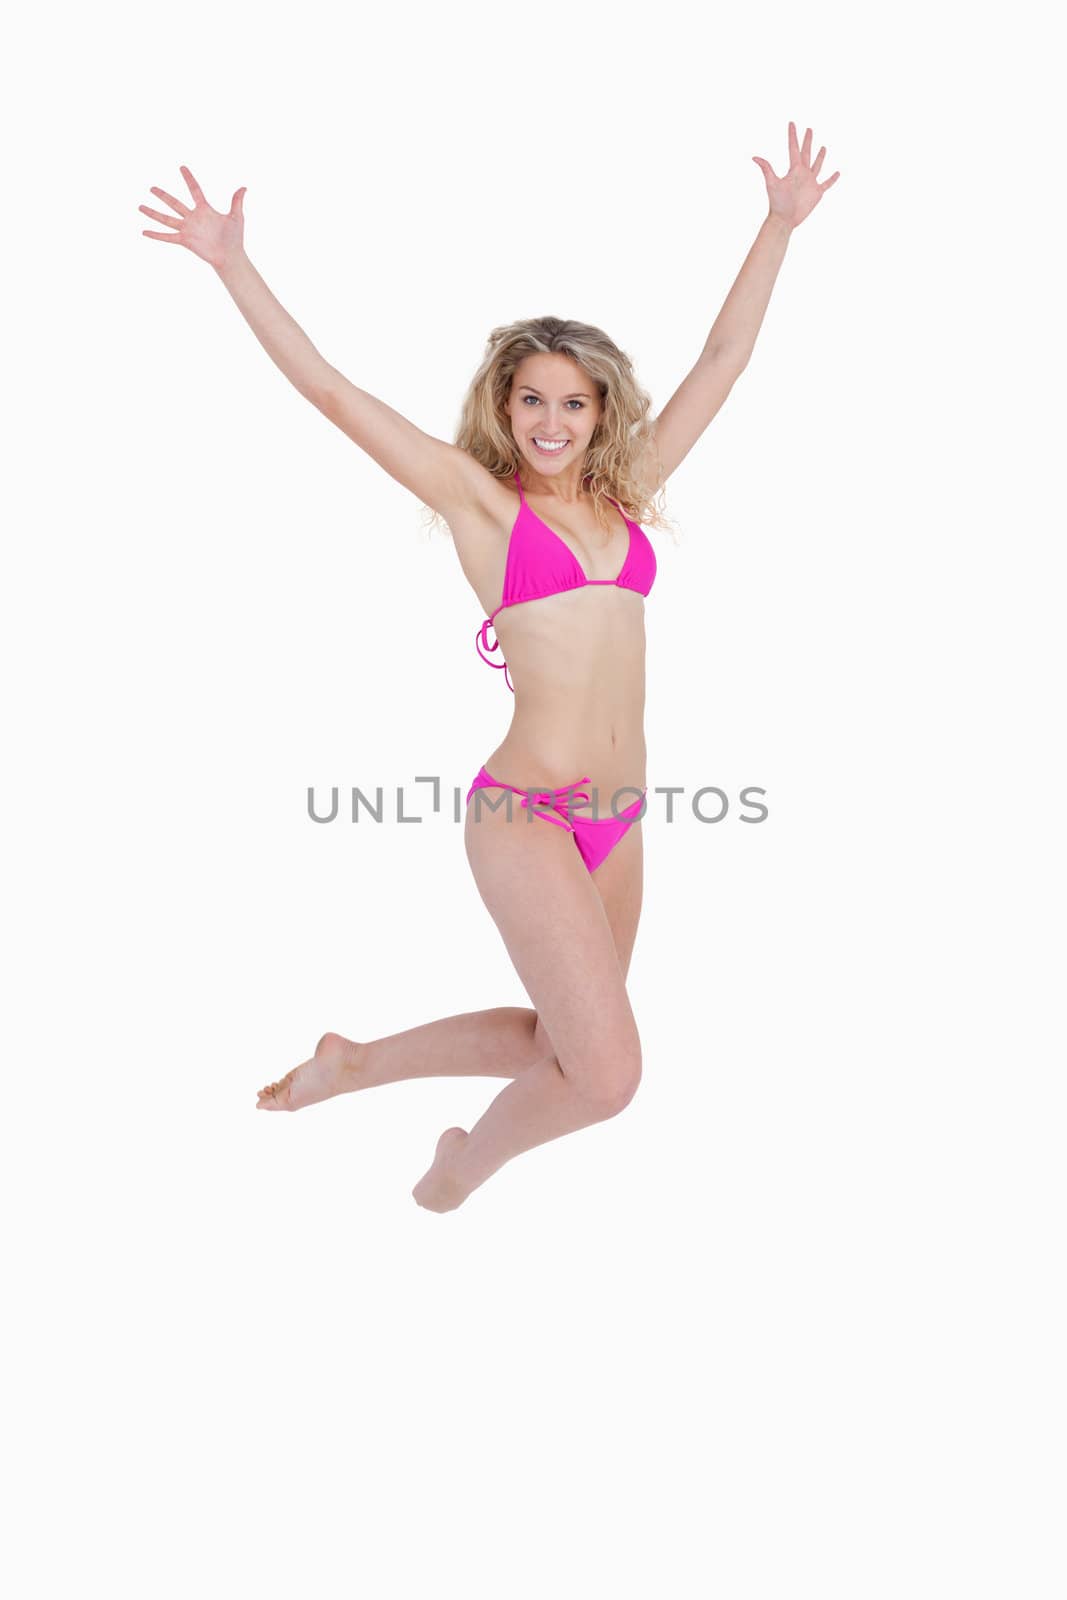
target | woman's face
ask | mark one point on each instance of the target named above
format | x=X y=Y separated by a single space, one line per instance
x=552 y=399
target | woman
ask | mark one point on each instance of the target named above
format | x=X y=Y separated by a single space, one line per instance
x=553 y=422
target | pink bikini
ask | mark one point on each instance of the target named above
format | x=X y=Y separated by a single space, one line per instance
x=539 y=564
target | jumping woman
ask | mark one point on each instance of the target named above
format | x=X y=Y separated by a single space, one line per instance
x=555 y=466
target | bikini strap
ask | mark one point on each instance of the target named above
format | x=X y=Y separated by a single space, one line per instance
x=518 y=480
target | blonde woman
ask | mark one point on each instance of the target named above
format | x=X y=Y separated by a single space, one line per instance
x=553 y=471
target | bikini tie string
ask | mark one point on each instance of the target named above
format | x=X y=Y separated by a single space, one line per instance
x=556 y=800
x=481 y=644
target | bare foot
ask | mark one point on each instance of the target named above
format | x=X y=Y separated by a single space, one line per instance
x=333 y=1069
x=440 y=1189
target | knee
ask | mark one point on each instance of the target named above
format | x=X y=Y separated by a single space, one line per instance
x=614 y=1084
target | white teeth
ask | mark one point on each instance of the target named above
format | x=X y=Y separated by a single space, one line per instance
x=550 y=444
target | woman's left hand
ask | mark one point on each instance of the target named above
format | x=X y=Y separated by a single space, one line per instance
x=792 y=197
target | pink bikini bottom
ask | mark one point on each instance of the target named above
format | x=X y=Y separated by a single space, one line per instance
x=596 y=837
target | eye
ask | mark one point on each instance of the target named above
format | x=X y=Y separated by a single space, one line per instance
x=536 y=399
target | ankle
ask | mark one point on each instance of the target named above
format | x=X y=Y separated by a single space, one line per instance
x=348 y=1054
x=356 y=1063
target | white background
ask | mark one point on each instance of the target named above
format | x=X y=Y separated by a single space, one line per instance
x=790 y=1325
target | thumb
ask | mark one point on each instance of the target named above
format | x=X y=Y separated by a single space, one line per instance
x=237 y=202
x=763 y=166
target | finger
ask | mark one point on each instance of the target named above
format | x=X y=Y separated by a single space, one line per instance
x=168 y=238
x=794 y=148
x=817 y=163
x=824 y=186
x=161 y=216
x=237 y=203
x=805 y=149
x=194 y=188
x=179 y=205
x=766 y=169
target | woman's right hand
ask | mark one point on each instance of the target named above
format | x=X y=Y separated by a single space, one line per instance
x=215 y=236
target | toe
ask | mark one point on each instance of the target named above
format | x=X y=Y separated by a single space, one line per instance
x=282 y=1089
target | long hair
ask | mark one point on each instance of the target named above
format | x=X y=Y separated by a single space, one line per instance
x=623 y=442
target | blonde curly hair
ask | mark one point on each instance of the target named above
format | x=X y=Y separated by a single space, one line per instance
x=622 y=445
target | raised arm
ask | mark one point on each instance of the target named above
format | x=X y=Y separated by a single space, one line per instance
x=733 y=333
x=439 y=473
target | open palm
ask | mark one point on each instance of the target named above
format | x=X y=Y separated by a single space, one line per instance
x=212 y=235
x=799 y=192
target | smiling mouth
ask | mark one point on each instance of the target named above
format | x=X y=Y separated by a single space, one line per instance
x=554 y=448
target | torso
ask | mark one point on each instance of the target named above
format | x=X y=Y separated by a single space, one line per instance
x=577 y=659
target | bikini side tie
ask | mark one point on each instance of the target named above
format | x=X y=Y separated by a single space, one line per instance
x=482 y=638
x=554 y=799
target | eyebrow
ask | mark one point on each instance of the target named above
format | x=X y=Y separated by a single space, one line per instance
x=579 y=394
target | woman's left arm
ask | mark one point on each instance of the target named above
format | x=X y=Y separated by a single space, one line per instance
x=733 y=333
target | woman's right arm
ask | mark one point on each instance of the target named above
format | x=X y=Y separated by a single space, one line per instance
x=440 y=474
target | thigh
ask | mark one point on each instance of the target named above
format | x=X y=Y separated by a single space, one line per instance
x=619 y=881
x=554 y=923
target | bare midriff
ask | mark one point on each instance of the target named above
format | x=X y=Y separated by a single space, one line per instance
x=577 y=662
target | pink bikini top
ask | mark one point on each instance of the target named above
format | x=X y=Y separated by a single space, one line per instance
x=539 y=564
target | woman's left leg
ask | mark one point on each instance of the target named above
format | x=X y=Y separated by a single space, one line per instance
x=551 y=916
x=498 y=1043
